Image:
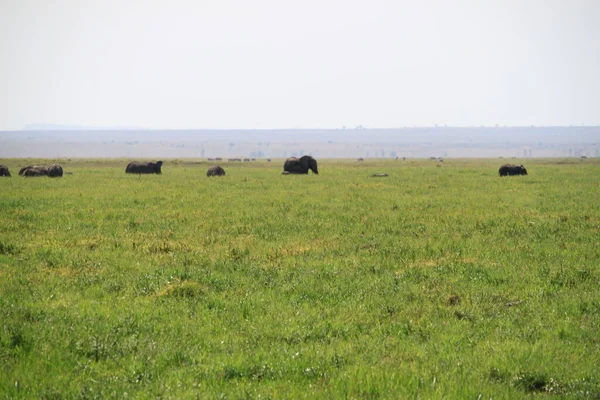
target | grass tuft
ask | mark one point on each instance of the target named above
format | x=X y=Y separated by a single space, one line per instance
x=183 y=290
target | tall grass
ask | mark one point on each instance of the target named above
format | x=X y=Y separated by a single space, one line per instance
x=439 y=281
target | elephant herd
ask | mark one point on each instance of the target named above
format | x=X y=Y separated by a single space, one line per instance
x=292 y=165
x=52 y=171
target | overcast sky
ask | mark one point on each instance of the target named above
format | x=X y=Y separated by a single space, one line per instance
x=299 y=64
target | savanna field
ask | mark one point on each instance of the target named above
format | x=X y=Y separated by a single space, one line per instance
x=442 y=280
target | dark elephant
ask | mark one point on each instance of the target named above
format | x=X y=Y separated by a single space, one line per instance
x=510 y=169
x=300 y=165
x=215 y=171
x=22 y=170
x=34 y=170
x=144 y=168
x=4 y=170
x=55 y=171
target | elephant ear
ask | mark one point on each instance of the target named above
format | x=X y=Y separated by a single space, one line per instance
x=304 y=162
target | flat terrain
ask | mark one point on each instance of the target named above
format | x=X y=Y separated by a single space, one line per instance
x=442 y=280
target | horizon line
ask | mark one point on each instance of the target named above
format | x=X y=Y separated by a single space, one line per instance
x=357 y=128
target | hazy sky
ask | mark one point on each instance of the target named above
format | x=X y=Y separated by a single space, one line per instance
x=299 y=64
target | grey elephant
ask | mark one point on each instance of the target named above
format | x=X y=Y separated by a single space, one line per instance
x=55 y=171
x=4 y=170
x=144 y=168
x=300 y=165
x=510 y=169
x=215 y=171
x=22 y=170
x=34 y=170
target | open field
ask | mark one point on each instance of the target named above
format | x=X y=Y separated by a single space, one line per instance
x=442 y=280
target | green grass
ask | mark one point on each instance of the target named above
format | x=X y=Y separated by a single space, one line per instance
x=439 y=281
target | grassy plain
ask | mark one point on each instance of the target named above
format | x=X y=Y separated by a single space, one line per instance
x=439 y=281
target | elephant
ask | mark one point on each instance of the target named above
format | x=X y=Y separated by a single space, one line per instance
x=510 y=169
x=300 y=165
x=215 y=171
x=4 y=170
x=144 y=168
x=55 y=171
x=34 y=170
x=22 y=170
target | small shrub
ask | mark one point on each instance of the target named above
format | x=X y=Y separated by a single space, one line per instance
x=454 y=300
x=8 y=248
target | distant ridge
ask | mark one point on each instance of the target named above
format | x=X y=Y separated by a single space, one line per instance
x=411 y=142
x=67 y=127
